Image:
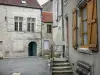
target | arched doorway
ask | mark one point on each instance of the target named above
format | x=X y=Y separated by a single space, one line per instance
x=32 y=49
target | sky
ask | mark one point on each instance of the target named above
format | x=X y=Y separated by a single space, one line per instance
x=42 y=1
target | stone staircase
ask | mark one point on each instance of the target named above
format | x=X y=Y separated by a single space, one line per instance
x=61 y=66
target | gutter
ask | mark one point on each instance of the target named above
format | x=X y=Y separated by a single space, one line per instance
x=21 y=6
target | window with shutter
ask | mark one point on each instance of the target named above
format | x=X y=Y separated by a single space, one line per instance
x=74 y=26
x=89 y=25
x=92 y=24
x=84 y=30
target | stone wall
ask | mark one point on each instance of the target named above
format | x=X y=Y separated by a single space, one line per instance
x=94 y=58
x=16 y=43
x=57 y=28
x=74 y=55
x=46 y=36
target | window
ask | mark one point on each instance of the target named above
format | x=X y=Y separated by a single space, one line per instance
x=58 y=10
x=49 y=29
x=1 y=43
x=18 y=23
x=46 y=44
x=30 y=24
x=56 y=7
x=88 y=26
x=84 y=26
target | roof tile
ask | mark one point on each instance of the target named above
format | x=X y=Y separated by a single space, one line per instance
x=29 y=3
x=47 y=17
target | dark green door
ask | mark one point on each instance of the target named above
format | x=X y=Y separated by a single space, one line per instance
x=32 y=50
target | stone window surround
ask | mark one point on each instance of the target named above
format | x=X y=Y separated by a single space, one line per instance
x=18 y=20
x=83 y=50
x=23 y=23
x=58 y=15
x=49 y=28
x=46 y=40
x=31 y=24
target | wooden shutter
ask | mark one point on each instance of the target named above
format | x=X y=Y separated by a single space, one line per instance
x=74 y=26
x=92 y=24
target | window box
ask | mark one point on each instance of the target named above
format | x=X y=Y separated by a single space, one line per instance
x=84 y=50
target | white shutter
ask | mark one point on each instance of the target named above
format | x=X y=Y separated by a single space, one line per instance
x=46 y=44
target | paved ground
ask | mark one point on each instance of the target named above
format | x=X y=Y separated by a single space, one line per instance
x=24 y=66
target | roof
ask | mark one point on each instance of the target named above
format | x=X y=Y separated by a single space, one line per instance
x=29 y=3
x=47 y=17
x=47 y=6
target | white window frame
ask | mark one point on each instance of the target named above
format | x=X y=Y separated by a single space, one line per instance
x=31 y=29
x=48 y=31
x=18 y=23
x=59 y=8
x=44 y=44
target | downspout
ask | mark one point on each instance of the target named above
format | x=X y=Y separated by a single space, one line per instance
x=63 y=39
x=41 y=35
x=62 y=21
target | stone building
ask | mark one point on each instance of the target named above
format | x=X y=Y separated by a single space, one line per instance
x=47 y=21
x=47 y=6
x=79 y=21
x=20 y=28
x=58 y=29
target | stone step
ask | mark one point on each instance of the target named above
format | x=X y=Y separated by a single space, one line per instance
x=60 y=59
x=61 y=68
x=61 y=64
x=64 y=71
x=62 y=74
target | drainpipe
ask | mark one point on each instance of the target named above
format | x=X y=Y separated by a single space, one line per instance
x=41 y=34
x=63 y=39
x=62 y=21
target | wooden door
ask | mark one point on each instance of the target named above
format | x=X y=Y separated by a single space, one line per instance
x=32 y=50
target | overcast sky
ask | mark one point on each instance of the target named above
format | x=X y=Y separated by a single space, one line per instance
x=42 y=1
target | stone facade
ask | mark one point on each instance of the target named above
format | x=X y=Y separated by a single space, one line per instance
x=14 y=43
x=74 y=55
x=47 y=36
x=58 y=28
x=47 y=40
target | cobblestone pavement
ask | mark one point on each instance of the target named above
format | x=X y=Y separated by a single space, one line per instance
x=24 y=66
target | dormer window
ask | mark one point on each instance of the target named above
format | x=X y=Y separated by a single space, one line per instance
x=23 y=1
